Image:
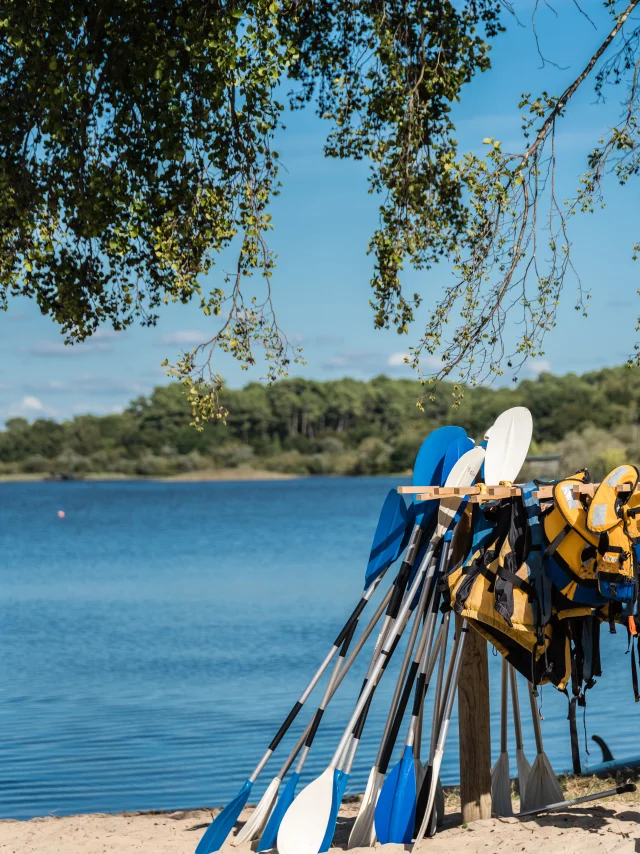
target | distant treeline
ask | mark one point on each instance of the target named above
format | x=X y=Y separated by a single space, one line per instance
x=338 y=427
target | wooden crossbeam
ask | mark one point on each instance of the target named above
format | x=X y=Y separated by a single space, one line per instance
x=489 y=493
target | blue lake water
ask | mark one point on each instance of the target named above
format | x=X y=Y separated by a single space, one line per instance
x=154 y=639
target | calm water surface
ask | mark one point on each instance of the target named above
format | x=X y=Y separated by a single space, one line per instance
x=154 y=639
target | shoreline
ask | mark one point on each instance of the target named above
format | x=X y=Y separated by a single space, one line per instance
x=205 y=476
x=606 y=826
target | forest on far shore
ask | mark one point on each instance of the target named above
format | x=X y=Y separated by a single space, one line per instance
x=341 y=427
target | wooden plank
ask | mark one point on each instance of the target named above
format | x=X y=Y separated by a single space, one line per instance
x=490 y=493
x=474 y=729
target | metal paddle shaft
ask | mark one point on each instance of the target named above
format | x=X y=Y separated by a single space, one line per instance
x=465 y=470
x=535 y=715
x=395 y=810
x=456 y=654
x=584 y=799
x=269 y=834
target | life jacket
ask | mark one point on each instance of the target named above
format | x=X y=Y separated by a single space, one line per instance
x=569 y=559
x=501 y=591
x=616 y=562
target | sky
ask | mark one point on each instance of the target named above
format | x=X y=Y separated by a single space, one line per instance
x=323 y=220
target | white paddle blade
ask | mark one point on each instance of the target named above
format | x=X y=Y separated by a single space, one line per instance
x=258 y=819
x=508 y=445
x=363 y=832
x=305 y=822
x=487 y=433
x=462 y=474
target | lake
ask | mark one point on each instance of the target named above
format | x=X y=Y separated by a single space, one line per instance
x=154 y=639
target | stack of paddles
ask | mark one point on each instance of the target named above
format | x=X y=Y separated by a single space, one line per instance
x=486 y=562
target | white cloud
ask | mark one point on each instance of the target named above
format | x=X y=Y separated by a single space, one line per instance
x=28 y=407
x=106 y=335
x=397 y=360
x=184 y=338
x=539 y=366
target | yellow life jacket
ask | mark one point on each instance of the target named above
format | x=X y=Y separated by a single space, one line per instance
x=570 y=557
x=495 y=591
x=615 y=564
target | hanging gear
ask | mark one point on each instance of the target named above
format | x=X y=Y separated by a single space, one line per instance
x=501 y=590
x=615 y=564
x=570 y=557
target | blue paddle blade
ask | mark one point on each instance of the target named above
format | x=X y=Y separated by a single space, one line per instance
x=389 y=535
x=222 y=825
x=270 y=833
x=396 y=808
x=455 y=450
x=403 y=811
x=339 y=785
x=427 y=470
x=382 y=815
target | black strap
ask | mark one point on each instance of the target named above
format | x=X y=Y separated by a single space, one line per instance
x=573 y=730
x=634 y=670
x=518 y=582
x=553 y=545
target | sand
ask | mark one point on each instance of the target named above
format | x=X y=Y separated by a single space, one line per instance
x=612 y=826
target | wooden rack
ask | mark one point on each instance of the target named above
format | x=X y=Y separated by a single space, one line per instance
x=478 y=495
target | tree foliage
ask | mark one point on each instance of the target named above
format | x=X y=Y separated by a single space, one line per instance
x=340 y=427
x=136 y=146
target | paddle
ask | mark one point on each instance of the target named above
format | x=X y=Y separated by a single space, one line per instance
x=395 y=810
x=305 y=822
x=542 y=786
x=393 y=604
x=268 y=838
x=506 y=452
x=524 y=768
x=500 y=777
x=584 y=799
x=385 y=548
x=437 y=709
x=363 y=831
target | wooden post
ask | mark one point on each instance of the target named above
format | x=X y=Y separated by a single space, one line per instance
x=475 y=729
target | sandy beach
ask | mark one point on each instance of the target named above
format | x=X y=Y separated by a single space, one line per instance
x=611 y=826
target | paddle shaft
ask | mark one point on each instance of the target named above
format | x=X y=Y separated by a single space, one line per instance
x=391 y=717
x=352 y=743
x=427 y=666
x=456 y=654
x=315 y=723
x=584 y=799
x=447 y=511
x=426 y=637
x=535 y=714
x=438 y=696
x=351 y=623
x=364 y=637
x=517 y=722
x=504 y=697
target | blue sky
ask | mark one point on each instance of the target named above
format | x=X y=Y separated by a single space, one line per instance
x=323 y=220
